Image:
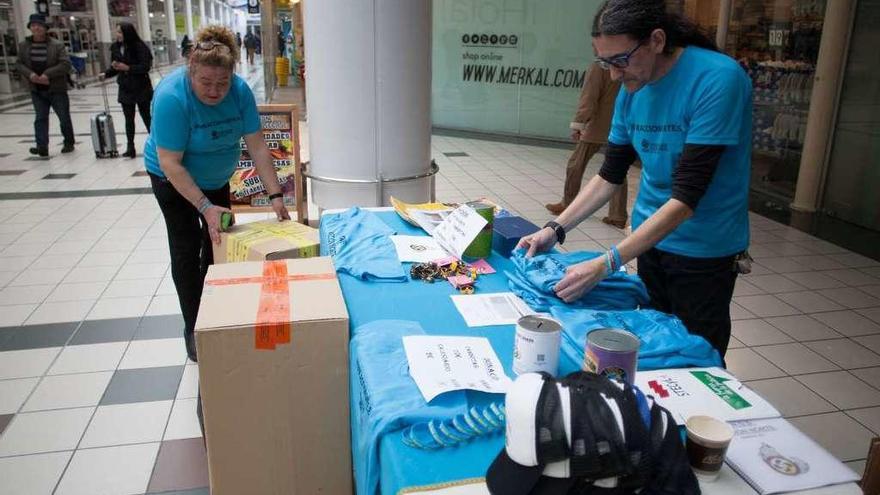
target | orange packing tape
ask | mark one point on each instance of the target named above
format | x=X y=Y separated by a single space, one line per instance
x=272 y=323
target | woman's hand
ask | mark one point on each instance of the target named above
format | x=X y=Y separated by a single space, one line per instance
x=280 y=210
x=121 y=66
x=212 y=216
x=538 y=242
x=580 y=279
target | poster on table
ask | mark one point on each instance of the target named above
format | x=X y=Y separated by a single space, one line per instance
x=281 y=133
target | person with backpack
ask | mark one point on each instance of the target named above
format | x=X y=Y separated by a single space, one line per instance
x=131 y=62
x=250 y=44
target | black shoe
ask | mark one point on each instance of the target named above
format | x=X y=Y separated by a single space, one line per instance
x=68 y=148
x=39 y=151
x=130 y=153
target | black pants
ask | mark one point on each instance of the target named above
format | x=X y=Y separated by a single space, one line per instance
x=696 y=290
x=43 y=100
x=190 y=246
x=128 y=110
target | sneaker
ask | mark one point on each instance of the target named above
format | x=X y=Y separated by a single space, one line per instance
x=555 y=208
x=39 y=151
x=68 y=148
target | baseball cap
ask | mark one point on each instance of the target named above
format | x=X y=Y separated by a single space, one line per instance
x=36 y=18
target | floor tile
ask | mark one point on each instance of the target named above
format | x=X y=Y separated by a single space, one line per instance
x=131 y=288
x=791 y=397
x=14 y=392
x=181 y=465
x=160 y=327
x=853 y=260
x=100 y=331
x=818 y=262
x=868 y=417
x=39 y=277
x=842 y=389
x=764 y=306
x=91 y=273
x=803 y=328
x=154 y=353
x=841 y=435
x=858 y=467
x=5 y=419
x=744 y=288
x=735 y=343
x=54 y=262
x=109 y=263
x=851 y=297
x=871 y=290
x=77 y=291
x=747 y=365
x=870 y=341
x=784 y=265
x=189 y=384
x=44 y=431
x=871 y=376
x=814 y=280
x=164 y=305
x=32 y=474
x=121 y=424
x=795 y=358
x=27 y=363
x=88 y=358
x=37 y=336
x=56 y=312
x=183 y=422
x=845 y=353
x=110 y=470
x=66 y=391
x=852 y=277
x=758 y=332
x=849 y=323
x=16 y=315
x=27 y=294
x=120 y=307
x=737 y=312
x=872 y=313
x=809 y=302
x=130 y=271
x=143 y=385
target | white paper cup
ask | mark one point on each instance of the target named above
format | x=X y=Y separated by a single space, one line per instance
x=707 y=442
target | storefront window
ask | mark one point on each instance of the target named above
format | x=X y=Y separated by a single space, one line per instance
x=777 y=42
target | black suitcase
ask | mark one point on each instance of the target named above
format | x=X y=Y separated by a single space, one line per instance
x=103 y=132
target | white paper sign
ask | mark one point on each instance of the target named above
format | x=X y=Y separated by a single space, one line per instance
x=459 y=229
x=501 y=308
x=429 y=219
x=443 y=364
x=417 y=248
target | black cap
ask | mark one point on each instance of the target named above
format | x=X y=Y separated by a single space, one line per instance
x=37 y=19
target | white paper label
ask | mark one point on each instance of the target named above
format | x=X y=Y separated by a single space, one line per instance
x=417 y=248
x=500 y=308
x=459 y=230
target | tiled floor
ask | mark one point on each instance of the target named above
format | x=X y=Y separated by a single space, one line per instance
x=96 y=393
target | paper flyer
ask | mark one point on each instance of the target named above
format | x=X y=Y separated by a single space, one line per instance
x=500 y=308
x=456 y=232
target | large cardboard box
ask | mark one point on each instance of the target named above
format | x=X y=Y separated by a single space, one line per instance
x=267 y=240
x=272 y=341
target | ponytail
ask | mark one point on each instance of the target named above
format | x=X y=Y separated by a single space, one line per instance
x=639 y=19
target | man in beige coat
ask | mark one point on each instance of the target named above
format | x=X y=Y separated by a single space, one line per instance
x=590 y=131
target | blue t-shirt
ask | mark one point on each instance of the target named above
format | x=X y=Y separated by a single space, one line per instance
x=208 y=135
x=705 y=99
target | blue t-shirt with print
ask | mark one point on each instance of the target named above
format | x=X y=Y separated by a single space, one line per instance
x=208 y=135
x=705 y=99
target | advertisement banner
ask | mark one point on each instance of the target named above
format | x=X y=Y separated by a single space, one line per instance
x=510 y=66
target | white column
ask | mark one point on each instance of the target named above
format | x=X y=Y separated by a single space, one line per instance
x=171 y=24
x=203 y=14
x=188 y=18
x=386 y=46
x=103 y=34
x=143 y=20
x=23 y=11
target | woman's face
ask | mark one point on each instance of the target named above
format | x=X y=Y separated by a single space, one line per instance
x=118 y=34
x=210 y=84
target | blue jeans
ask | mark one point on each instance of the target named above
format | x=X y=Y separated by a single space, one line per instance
x=59 y=102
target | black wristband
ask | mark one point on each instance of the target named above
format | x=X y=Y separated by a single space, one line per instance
x=275 y=196
x=560 y=232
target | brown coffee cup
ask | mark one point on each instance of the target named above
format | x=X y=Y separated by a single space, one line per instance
x=707 y=442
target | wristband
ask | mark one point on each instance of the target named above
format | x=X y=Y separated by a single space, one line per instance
x=609 y=269
x=618 y=262
x=275 y=196
x=204 y=205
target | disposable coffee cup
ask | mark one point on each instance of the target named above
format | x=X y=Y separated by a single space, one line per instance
x=707 y=442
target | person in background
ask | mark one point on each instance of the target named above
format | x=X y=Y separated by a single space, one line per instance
x=238 y=41
x=202 y=111
x=250 y=45
x=590 y=127
x=185 y=46
x=131 y=61
x=44 y=63
x=686 y=112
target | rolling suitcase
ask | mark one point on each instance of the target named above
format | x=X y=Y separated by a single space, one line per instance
x=103 y=132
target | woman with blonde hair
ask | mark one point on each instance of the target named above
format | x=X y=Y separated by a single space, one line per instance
x=200 y=113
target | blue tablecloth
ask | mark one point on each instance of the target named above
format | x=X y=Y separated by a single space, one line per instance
x=430 y=306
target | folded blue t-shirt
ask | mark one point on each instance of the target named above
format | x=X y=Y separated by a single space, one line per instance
x=359 y=244
x=536 y=277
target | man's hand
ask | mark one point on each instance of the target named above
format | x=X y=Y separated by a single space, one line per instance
x=41 y=79
x=576 y=135
x=121 y=66
x=280 y=210
x=538 y=242
x=580 y=279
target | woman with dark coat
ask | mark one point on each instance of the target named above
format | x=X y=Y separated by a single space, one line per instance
x=131 y=61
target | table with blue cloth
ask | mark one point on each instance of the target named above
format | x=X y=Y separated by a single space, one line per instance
x=402 y=468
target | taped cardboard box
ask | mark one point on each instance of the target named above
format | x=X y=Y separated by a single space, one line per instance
x=267 y=240
x=272 y=341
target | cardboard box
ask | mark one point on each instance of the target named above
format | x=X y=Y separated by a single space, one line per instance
x=272 y=341
x=267 y=240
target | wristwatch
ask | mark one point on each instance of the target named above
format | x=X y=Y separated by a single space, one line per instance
x=276 y=196
x=560 y=232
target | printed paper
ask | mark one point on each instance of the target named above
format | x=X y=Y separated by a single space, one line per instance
x=500 y=308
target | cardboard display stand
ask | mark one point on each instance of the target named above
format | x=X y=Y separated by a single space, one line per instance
x=281 y=132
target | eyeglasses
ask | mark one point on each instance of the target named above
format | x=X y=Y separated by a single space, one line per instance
x=620 y=61
x=209 y=45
